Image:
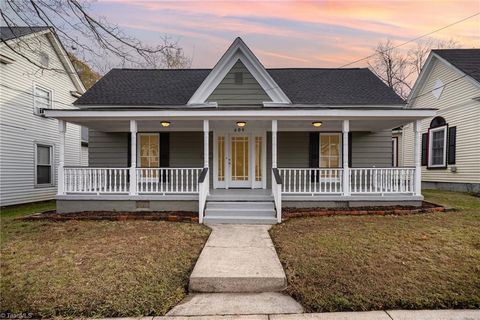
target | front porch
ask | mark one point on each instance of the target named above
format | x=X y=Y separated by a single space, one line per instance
x=342 y=162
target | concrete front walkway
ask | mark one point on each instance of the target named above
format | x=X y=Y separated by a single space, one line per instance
x=238 y=258
x=238 y=272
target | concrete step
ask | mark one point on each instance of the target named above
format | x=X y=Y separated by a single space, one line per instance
x=218 y=212
x=240 y=197
x=212 y=304
x=223 y=219
x=249 y=212
x=240 y=204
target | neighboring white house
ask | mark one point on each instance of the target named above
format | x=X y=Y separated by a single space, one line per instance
x=449 y=82
x=29 y=141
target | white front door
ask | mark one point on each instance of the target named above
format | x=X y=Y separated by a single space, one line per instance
x=239 y=160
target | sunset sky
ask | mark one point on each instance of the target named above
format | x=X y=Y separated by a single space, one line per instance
x=291 y=33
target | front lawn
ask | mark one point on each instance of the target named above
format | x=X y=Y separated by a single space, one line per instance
x=385 y=262
x=96 y=268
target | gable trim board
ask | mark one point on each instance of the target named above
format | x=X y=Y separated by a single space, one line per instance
x=238 y=51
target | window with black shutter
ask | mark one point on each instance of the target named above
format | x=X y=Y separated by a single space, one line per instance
x=452 y=142
x=424 y=149
x=437 y=144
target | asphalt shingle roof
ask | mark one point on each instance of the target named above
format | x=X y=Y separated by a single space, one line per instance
x=466 y=60
x=302 y=86
x=8 y=33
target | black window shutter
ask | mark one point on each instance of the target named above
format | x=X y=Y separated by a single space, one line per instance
x=424 y=149
x=452 y=143
x=164 y=149
x=129 y=149
x=314 y=150
x=350 y=149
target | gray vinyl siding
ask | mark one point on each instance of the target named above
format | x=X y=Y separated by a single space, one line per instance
x=368 y=149
x=248 y=93
x=108 y=149
x=372 y=149
x=186 y=149
x=292 y=149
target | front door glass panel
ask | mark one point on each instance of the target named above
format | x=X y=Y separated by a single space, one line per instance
x=239 y=158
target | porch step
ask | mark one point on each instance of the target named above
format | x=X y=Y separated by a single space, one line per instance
x=240 y=212
x=243 y=205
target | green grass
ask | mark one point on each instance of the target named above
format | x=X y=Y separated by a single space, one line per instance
x=27 y=208
x=96 y=268
x=379 y=262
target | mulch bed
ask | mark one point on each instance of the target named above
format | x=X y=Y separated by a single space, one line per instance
x=187 y=216
x=426 y=207
x=184 y=216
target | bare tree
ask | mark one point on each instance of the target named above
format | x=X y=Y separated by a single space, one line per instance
x=392 y=67
x=399 y=69
x=92 y=39
x=417 y=56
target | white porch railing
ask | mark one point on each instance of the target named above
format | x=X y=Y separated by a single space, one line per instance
x=315 y=181
x=382 y=180
x=96 y=180
x=117 y=180
x=311 y=180
x=167 y=180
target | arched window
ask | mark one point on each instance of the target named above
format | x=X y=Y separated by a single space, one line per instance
x=437 y=143
x=437 y=122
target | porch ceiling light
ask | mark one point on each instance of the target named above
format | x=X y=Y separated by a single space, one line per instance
x=317 y=124
x=241 y=124
x=165 y=123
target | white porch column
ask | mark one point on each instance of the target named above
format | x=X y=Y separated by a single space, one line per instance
x=205 y=143
x=346 y=169
x=417 y=155
x=133 y=159
x=62 y=128
x=274 y=143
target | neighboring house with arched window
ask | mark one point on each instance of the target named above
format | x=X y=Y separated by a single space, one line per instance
x=449 y=82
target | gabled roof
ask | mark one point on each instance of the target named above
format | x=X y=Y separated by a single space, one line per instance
x=9 y=33
x=466 y=60
x=149 y=87
x=238 y=50
x=161 y=87
x=13 y=33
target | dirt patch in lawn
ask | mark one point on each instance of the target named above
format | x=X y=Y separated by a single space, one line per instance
x=97 y=268
x=426 y=207
x=343 y=263
x=52 y=215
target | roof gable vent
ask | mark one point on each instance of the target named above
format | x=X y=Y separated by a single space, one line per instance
x=437 y=88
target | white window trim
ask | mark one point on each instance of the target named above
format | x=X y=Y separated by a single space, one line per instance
x=430 y=144
x=395 y=152
x=35 y=108
x=339 y=134
x=52 y=165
